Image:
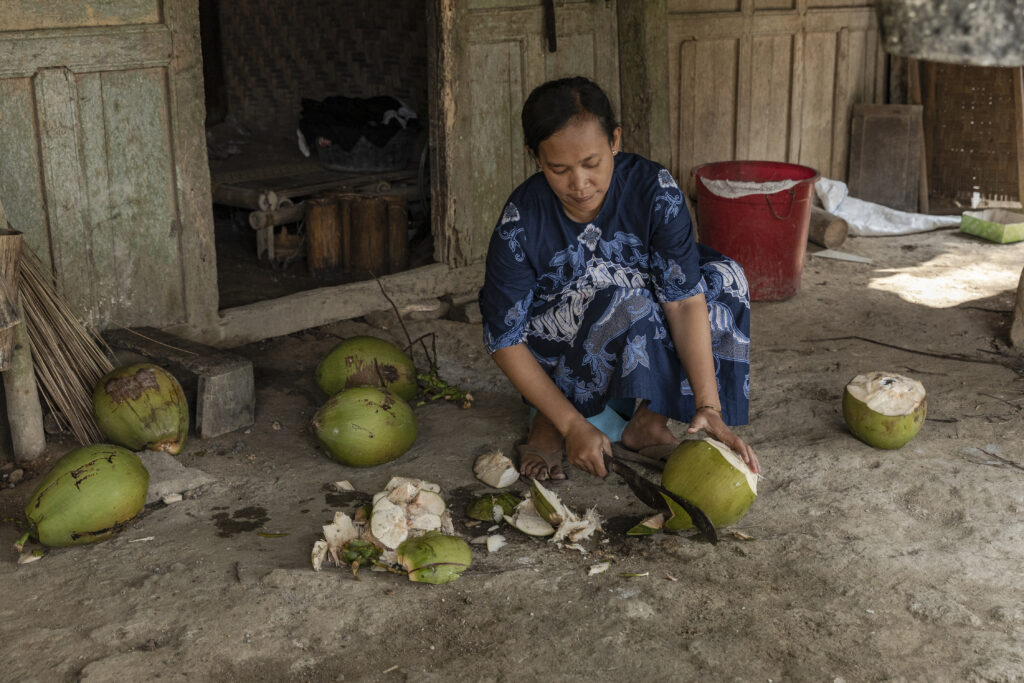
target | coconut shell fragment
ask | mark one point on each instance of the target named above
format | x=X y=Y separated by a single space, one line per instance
x=434 y=558
x=496 y=470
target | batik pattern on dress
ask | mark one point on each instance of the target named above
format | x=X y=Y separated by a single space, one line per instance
x=586 y=298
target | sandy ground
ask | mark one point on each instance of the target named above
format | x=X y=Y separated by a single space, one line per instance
x=865 y=565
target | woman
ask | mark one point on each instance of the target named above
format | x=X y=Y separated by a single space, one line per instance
x=595 y=291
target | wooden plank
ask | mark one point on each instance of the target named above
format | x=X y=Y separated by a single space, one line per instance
x=914 y=96
x=443 y=82
x=714 y=125
x=817 y=115
x=1018 y=101
x=144 y=261
x=83 y=50
x=191 y=169
x=21 y=186
x=796 y=107
x=642 y=39
x=66 y=197
x=27 y=15
x=771 y=86
x=841 y=101
x=885 y=154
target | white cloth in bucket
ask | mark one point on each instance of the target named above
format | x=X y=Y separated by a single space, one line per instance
x=731 y=189
x=867 y=219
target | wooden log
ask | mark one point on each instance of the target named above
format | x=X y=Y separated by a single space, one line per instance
x=24 y=411
x=345 y=200
x=397 y=234
x=10 y=258
x=826 y=229
x=369 y=237
x=286 y=213
x=323 y=235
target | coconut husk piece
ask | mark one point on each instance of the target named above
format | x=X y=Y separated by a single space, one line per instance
x=68 y=356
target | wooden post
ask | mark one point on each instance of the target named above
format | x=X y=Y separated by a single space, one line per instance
x=397 y=234
x=369 y=246
x=24 y=412
x=826 y=229
x=10 y=258
x=323 y=235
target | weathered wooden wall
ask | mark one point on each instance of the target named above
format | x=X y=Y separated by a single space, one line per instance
x=103 y=156
x=770 y=79
x=499 y=54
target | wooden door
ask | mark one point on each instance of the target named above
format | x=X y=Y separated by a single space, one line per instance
x=773 y=80
x=102 y=154
x=492 y=54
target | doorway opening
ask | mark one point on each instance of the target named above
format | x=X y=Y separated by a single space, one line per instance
x=317 y=138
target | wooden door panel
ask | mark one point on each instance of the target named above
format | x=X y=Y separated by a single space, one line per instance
x=100 y=121
x=500 y=54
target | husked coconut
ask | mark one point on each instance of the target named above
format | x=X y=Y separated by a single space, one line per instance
x=496 y=470
x=395 y=482
x=427 y=501
x=388 y=523
x=883 y=409
x=403 y=494
x=425 y=521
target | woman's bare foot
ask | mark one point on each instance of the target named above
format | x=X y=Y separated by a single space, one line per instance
x=646 y=429
x=541 y=456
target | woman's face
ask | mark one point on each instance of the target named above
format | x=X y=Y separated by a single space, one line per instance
x=578 y=163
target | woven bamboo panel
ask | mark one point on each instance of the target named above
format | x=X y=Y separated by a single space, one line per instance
x=971 y=121
x=278 y=51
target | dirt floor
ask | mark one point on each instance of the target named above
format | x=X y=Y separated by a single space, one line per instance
x=864 y=565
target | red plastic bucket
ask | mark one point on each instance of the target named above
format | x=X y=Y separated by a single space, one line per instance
x=764 y=233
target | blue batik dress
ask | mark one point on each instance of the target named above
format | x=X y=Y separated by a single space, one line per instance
x=585 y=298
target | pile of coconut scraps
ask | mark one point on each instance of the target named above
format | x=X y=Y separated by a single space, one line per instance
x=544 y=514
x=496 y=469
x=406 y=508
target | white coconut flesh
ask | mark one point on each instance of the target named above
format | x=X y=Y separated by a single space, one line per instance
x=495 y=543
x=526 y=519
x=319 y=554
x=886 y=393
x=426 y=502
x=422 y=485
x=736 y=461
x=496 y=470
x=388 y=523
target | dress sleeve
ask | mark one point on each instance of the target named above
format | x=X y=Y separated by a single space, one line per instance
x=509 y=283
x=675 y=268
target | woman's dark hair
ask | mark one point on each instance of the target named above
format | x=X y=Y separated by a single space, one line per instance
x=551 y=106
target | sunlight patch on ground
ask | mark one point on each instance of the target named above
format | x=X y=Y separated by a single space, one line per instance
x=953 y=278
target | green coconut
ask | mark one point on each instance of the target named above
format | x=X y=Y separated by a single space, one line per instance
x=713 y=477
x=482 y=508
x=365 y=426
x=367 y=362
x=434 y=557
x=141 y=407
x=87 y=496
x=884 y=410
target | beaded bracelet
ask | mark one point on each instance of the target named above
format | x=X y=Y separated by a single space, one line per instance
x=714 y=408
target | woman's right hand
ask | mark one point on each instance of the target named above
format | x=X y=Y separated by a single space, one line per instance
x=585 y=447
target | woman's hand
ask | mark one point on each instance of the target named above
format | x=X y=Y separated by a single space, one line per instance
x=585 y=446
x=710 y=420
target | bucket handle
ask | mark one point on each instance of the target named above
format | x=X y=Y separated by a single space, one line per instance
x=792 y=203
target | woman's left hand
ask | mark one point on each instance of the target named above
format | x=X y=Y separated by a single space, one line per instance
x=711 y=422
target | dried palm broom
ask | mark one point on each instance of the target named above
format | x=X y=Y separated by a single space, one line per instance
x=68 y=356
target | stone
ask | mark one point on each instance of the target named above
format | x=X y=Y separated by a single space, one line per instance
x=167 y=476
x=219 y=385
x=1017 y=326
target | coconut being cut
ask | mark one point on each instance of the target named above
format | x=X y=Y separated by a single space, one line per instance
x=711 y=476
x=883 y=409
